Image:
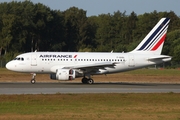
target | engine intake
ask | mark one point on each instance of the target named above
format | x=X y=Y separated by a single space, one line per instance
x=63 y=74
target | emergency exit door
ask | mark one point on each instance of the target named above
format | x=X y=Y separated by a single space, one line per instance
x=131 y=61
x=33 y=60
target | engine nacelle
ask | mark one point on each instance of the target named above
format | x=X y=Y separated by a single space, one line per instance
x=63 y=74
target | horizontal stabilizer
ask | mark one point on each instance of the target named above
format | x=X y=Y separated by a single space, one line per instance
x=159 y=58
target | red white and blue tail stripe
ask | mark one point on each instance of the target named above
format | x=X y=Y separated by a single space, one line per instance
x=153 y=42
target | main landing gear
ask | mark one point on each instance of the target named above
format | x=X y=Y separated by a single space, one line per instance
x=87 y=80
x=33 y=80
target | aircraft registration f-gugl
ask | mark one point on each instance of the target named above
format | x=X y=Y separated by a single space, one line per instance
x=70 y=65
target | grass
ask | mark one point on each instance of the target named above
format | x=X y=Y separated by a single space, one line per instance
x=91 y=106
x=165 y=72
x=165 y=106
x=140 y=75
x=144 y=71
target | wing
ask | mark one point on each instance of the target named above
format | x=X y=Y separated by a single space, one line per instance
x=103 y=64
x=87 y=67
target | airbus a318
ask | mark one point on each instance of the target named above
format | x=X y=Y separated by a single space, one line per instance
x=70 y=65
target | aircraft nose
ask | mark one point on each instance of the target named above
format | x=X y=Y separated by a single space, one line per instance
x=9 y=65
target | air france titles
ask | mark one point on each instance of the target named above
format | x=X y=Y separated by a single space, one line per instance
x=55 y=56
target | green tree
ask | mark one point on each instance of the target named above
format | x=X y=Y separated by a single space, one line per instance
x=172 y=43
x=77 y=29
x=104 y=33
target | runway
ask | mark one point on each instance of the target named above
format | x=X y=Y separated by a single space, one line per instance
x=116 y=87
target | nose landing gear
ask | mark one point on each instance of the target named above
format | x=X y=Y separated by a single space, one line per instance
x=33 y=80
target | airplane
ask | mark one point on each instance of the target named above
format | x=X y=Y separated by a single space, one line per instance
x=70 y=65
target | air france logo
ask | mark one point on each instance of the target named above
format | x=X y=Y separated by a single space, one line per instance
x=55 y=56
x=75 y=56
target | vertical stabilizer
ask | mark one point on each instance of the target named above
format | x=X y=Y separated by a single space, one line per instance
x=153 y=42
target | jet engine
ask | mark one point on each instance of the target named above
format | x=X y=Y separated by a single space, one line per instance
x=63 y=74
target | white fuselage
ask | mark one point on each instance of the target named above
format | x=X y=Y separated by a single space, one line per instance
x=48 y=62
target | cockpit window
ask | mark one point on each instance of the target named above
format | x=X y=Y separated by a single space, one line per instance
x=19 y=58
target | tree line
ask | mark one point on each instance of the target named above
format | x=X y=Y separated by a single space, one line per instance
x=27 y=26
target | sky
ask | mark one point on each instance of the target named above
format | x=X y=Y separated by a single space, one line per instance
x=97 y=7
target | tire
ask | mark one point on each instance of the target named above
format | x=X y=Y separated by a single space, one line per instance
x=90 y=81
x=84 y=80
x=33 y=81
